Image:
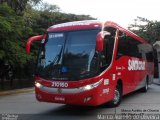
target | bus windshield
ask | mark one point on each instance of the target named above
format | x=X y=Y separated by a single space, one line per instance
x=69 y=56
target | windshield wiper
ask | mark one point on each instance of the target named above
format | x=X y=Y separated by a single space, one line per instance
x=58 y=59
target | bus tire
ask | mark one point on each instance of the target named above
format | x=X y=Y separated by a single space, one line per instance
x=145 y=88
x=117 y=97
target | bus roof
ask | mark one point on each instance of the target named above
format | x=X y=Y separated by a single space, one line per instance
x=115 y=25
x=75 y=25
x=87 y=24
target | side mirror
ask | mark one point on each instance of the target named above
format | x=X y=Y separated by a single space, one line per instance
x=100 y=42
x=31 y=39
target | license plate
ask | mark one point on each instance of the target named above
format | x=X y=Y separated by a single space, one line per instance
x=59 y=98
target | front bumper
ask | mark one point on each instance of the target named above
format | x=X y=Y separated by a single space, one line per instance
x=92 y=97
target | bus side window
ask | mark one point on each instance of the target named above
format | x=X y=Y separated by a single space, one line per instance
x=122 y=45
x=134 y=50
x=128 y=46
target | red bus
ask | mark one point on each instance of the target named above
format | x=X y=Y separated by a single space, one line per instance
x=91 y=63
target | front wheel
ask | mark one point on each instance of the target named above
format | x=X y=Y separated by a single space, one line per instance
x=117 y=97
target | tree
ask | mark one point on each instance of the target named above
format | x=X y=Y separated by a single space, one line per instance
x=18 y=21
x=19 y=5
x=149 y=30
x=12 y=29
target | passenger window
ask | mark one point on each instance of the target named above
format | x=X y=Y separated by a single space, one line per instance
x=122 y=45
x=128 y=46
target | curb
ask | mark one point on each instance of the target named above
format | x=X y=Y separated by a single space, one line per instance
x=16 y=91
x=156 y=81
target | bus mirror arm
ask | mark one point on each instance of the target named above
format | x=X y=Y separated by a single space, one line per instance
x=31 y=39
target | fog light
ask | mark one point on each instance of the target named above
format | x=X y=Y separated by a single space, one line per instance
x=87 y=99
x=39 y=96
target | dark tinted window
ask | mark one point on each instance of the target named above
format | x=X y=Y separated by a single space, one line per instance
x=128 y=46
x=122 y=45
x=133 y=48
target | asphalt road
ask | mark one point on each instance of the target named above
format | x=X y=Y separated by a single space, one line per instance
x=25 y=107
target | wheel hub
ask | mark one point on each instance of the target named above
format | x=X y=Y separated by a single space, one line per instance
x=116 y=96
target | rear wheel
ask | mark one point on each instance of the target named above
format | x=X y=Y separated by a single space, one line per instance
x=145 y=88
x=117 y=97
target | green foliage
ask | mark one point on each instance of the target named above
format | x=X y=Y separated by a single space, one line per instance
x=44 y=15
x=149 y=30
x=19 y=20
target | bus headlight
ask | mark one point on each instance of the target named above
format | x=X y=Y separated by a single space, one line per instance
x=91 y=86
x=38 y=85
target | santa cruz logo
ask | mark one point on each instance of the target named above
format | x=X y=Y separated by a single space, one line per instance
x=136 y=65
